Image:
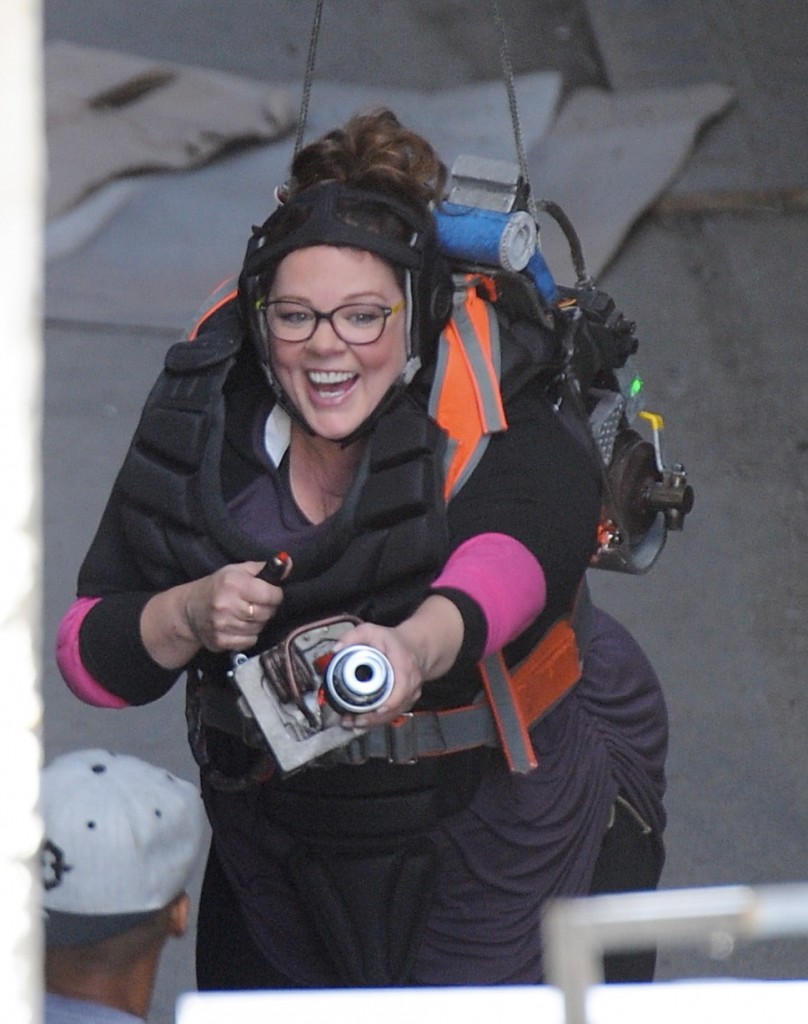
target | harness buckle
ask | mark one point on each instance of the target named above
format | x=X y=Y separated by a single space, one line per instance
x=395 y=743
x=401 y=739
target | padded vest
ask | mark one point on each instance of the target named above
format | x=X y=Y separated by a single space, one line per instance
x=387 y=542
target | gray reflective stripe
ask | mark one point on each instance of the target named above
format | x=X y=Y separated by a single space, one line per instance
x=512 y=730
x=471 y=464
x=488 y=388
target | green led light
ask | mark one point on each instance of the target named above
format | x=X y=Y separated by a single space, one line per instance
x=636 y=387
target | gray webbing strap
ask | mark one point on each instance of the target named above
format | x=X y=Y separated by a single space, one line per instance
x=427 y=734
x=510 y=727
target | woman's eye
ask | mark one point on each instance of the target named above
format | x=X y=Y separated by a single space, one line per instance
x=363 y=317
x=294 y=317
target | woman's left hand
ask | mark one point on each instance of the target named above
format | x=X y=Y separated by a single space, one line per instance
x=421 y=648
x=407 y=673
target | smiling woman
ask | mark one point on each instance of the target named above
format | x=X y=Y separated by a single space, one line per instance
x=318 y=413
x=334 y=384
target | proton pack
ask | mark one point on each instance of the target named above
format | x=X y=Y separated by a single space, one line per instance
x=485 y=226
x=588 y=371
x=583 y=352
x=290 y=698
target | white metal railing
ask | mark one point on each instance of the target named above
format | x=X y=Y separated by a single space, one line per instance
x=577 y=932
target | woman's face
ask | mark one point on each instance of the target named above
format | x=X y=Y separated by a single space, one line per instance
x=334 y=385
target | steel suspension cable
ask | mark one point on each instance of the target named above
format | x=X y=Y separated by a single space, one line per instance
x=507 y=72
x=308 y=76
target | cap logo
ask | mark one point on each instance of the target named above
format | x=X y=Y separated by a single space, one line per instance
x=54 y=865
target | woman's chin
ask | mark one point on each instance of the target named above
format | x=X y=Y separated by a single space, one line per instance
x=333 y=425
x=336 y=420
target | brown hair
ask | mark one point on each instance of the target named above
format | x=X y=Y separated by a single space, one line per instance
x=373 y=151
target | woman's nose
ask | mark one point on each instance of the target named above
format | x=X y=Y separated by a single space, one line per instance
x=325 y=338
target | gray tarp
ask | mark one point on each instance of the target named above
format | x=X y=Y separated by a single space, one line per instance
x=145 y=250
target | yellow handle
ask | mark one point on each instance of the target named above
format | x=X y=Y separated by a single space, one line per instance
x=653 y=418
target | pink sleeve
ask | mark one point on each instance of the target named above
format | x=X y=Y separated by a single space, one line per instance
x=504 y=578
x=68 y=658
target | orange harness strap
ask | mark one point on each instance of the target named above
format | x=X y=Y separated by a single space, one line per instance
x=466 y=399
x=468 y=405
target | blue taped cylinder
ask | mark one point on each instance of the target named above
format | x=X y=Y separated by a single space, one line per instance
x=507 y=240
x=542 y=277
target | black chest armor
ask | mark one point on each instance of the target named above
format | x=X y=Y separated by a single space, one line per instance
x=375 y=558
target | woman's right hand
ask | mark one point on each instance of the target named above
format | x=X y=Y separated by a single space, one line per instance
x=222 y=612
x=227 y=610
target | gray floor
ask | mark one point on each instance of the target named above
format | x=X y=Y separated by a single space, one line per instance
x=711 y=275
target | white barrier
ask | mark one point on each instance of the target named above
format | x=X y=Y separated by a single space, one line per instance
x=714 y=1002
x=21 y=188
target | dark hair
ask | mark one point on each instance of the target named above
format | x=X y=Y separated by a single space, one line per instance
x=374 y=152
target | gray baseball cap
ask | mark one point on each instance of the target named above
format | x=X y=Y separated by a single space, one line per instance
x=121 y=840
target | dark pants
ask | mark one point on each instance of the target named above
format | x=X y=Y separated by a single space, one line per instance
x=227 y=958
x=630 y=859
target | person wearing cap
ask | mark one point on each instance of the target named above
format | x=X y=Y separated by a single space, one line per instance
x=303 y=420
x=121 y=841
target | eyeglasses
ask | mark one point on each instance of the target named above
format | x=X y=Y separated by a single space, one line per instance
x=356 y=323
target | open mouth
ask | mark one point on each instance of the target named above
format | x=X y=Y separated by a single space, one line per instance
x=331 y=384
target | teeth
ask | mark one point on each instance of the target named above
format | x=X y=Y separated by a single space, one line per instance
x=329 y=376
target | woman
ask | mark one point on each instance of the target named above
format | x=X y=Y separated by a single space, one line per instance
x=302 y=419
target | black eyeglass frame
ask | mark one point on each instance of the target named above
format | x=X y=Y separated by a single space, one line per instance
x=385 y=311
